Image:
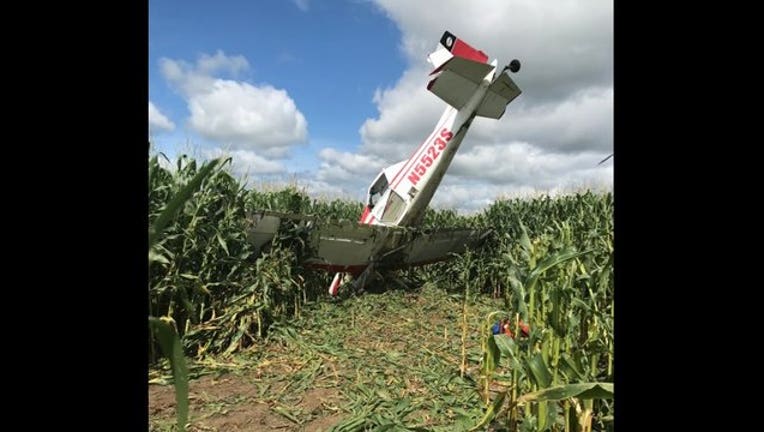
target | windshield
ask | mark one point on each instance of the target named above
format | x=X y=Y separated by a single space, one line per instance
x=377 y=189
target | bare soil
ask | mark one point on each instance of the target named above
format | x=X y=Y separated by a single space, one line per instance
x=395 y=356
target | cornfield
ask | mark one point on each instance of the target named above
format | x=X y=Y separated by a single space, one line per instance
x=548 y=263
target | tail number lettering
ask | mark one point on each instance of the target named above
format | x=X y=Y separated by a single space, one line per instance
x=429 y=157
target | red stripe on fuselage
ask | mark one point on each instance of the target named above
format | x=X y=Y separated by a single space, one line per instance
x=366 y=215
x=418 y=152
x=423 y=149
x=407 y=165
x=366 y=211
x=370 y=220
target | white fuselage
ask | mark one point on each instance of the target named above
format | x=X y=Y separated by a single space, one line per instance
x=412 y=183
x=400 y=194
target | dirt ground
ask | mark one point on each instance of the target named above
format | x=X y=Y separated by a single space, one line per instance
x=390 y=358
x=232 y=403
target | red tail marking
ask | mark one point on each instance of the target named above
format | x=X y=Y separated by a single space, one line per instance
x=462 y=49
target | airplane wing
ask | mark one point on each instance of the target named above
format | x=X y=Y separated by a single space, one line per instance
x=345 y=246
x=430 y=246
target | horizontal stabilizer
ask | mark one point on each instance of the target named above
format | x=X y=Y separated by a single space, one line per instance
x=500 y=93
x=458 y=79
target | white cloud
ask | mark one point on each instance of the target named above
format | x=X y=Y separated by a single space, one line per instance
x=209 y=64
x=581 y=122
x=245 y=163
x=236 y=114
x=519 y=163
x=326 y=190
x=469 y=195
x=549 y=141
x=407 y=113
x=158 y=121
x=339 y=166
x=551 y=137
x=565 y=45
x=304 y=5
x=248 y=117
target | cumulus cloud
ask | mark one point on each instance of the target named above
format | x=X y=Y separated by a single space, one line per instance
x=581 y=122
x=549 y=141
x=468 y=195
x=339 y=166
x=551 y=137
x=407 y=113
x=520 y=164
x=245 y=162
x=232 y=113
x=327 y=191
x=158 y=121
x=566 y=44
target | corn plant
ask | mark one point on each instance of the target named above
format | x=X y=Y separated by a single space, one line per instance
x=560 y=282
x=549 y=259
x=163 y=328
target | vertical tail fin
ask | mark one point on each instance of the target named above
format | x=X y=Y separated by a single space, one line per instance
x=451 y=46
x=462 y=49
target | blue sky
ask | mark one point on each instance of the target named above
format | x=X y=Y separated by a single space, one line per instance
x=329 y=92
x=330 y=58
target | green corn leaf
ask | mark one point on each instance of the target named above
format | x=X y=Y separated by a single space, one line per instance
x=525 y=241
x=490 y=413
x=492 y=355
x=550 y=262
x=169 y=342
x=179 y=199
x=544 y=412
x=506 y=345
x=284 y=412
x=155 y=256
x=570 y=367
x=595 y=390
x=222 y=243
x=539 y=371
x=519 y=292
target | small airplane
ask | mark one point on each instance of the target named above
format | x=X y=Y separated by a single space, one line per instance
x=385 y=238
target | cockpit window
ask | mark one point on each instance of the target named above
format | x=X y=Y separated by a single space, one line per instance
x=377 y=189
x=394 y=208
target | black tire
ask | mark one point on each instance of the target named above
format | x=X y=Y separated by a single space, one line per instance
x=514 y=65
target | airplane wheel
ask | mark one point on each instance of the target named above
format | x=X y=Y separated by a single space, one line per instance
x=514 y=65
